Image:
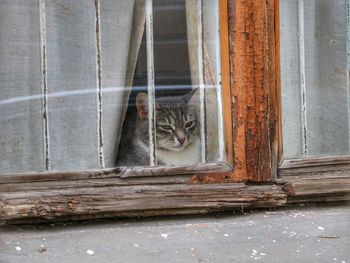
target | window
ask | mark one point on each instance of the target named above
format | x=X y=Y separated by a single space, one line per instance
x=78 y=74
x=93 y=85
x=315 y=79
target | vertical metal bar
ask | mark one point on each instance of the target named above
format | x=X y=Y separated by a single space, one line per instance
x=200 y=49
x=44 y=87
x=348 y=62
x=218 y=87
x=99 y=86
x=302 y=74
x=150 y=83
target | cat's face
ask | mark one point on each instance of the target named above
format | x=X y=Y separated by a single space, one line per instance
x=177 y=124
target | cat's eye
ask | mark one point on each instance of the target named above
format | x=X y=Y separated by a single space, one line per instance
x=165 y=127
x=190 y=124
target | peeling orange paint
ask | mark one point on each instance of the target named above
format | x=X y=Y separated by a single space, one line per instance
x=254 y=84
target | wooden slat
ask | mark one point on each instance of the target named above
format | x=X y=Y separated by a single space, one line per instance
x=97 y=202
x=321 y=188
x=59 y=175
x=278 y=88
x=94 y=181
x=227 y=99
x=338 y=165
x=176 y=170
x=315 y=161
x=122 y=172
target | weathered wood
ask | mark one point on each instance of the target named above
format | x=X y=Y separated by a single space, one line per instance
x=59 y=175
x=317 y=188
x=250 y=50
x=93 y=182
x=227 y=99
x=97 y=202
x=176 y=170
x=253 y=67
x=315 y=166
x=315 y=161
x=122 y=172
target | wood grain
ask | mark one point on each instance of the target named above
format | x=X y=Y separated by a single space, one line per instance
x=140 y=200
x=227 y=99
x=317 y=188
x=252 y=53
x=121 y=172
x=176 y=170
x=315 y=166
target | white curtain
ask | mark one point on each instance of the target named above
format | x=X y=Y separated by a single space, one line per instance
x=209 y=27
x=123 y=25
x=70 y=140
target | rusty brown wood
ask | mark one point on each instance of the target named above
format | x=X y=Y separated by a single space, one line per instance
x=253 y=32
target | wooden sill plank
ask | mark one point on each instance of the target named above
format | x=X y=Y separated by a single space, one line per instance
x=122 y=172
x=316 y=166
x=315 y=161
x=137 y=200
x=321 y=188
x=165 y=195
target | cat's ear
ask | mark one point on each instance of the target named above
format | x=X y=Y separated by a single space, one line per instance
x=190 y=98
x=142 y=105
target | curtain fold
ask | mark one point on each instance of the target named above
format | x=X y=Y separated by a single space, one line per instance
x=123 y=24
x=70 y=39
x=209 y=26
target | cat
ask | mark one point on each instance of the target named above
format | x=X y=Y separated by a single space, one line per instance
x=177 y=132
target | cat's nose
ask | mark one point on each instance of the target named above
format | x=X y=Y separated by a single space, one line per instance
x=181 y=140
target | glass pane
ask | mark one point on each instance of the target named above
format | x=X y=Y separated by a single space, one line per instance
x=99 y=84
x=315 y=87
x=188 y=117
x=21 y=141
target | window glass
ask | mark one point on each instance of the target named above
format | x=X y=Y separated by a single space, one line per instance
x=99 y=84
x=315 y=86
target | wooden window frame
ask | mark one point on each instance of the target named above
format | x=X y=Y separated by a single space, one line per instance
x=252 y=95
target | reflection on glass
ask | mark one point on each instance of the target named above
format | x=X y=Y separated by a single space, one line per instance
x=315 y=86
x=141 y=87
